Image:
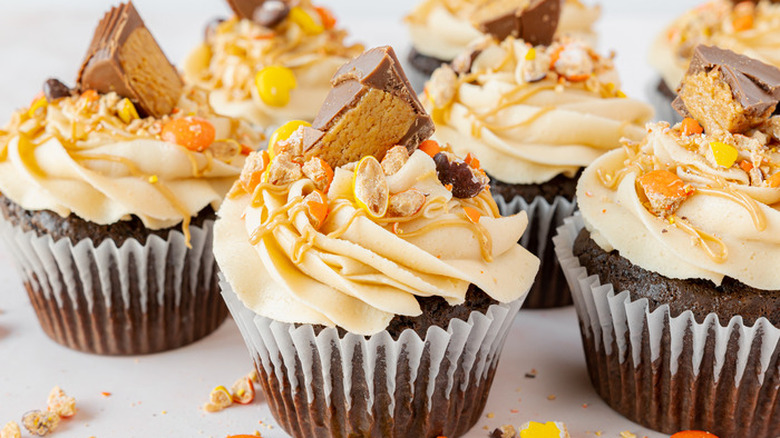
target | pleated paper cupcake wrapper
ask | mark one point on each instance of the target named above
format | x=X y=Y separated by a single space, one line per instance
x=673 y=373
x=132 y=299
x=550 y=288
x=321 y=385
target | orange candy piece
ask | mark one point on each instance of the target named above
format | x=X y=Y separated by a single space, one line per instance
x=243 y=391
x=693 y=434
x=664 y=183
x=774 y=180
x=690 y=127
x=743 y=22
x=326 y=16
x=430 y=147
x=317 y=206
x=472 y=160
x=472 y=213
x=194 y=133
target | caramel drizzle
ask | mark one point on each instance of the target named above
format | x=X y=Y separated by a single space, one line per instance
x=481 y=233
x=274 y=219
x=701 y=239
x=536 y=116
x=748 y=203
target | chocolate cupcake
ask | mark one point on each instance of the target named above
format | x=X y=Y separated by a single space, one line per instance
x=751 y=28
x=374 y=282
x=109 y=194
x=535 y=116
x=667 y=263
x=440 y=30
x=271 y=61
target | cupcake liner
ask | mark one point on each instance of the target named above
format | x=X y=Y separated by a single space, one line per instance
x=132 y=299
x=673 y=373
x=319 y=384
x=550 y=288
x=661 y=102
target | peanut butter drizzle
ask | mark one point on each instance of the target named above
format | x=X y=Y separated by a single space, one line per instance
x=748 y=203
x=701 y=239
x=485 y=241
x=525 y=122
x=274 y=219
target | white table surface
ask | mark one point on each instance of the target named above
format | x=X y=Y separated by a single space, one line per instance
x=161 y=395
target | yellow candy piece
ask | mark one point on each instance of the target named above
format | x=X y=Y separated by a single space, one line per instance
x=274 y=84
x=539 y=430
x=725 y=155
x=127 y=111
x=283 y=133
x=530 y=55
x=38 y=104
x=307 y=23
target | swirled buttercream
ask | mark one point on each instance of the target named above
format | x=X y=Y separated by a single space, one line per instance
x=531 y=113
x=442 y=29
x=745 y=28
x=236 y=50
x=725 y=224
x=358 y=271
x=77 y=155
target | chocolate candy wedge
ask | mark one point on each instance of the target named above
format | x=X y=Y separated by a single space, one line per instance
x=725 y=91
x=534 y=21
x=124 y=57
x=371 y=108
x=266 y=13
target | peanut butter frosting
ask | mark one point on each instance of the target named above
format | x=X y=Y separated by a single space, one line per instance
x=746 y=28
x=689 y=205
x=92 y=155
x=443 y=29
x=353 y=247
x=531 y=113
x=307 y=46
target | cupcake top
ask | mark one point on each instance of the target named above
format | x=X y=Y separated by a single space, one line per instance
x=698 y=200
x=270 y=62
x=308 y=238
x=532 y=113
x=104 y=156
x=751 y=28
x=443 y=29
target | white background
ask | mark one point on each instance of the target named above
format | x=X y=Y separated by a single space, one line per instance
x=161 y=395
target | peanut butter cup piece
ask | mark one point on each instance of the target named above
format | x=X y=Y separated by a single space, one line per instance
x=534 y=21
x=725 y=91
x=371 y=108
x=125 y=58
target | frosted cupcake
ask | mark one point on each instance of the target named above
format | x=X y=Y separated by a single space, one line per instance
x=680 y=316
x=374 y=282
x=271 y=62
x=535 y=116
x=443 y=29
x=108 y=199
x=751 y=28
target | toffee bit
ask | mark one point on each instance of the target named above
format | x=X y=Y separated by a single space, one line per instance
x=505 y=431
x=60 y=403
x=40 y=422
x=11 y=430
x=219 y=399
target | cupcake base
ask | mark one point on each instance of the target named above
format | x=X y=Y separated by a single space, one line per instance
x=423 y=67
x=319 y=383
x=671 y=372
x=114 y=298
x=546 y=205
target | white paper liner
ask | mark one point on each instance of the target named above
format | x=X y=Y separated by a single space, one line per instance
x=289 y=352
x=550 y=288
x=698 y=353
x=163 y=279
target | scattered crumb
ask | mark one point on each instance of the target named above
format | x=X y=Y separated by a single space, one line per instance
x=164 y=412
x=531 y=374
x=584 y=406
x=514 y=411
x=551 y=397
x=105 y=394
x=490 y=415
x=627 y=434
x=11 y=430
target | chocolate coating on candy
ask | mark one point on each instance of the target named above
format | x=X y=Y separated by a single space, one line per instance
x=535 y=22
x=124 y=58
x=271 y=13
x=466 y=181
x=53 y=89
x=371 y=108
x=724 y=90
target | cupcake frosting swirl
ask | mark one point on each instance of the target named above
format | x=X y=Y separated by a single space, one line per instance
x=228 y=61
x=442 y=29
x=744 y=27
x=358 y=271
x=78 y=155
x=721 y=220
x=531 y=113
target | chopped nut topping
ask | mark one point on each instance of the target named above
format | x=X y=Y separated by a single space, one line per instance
x=533 y=66
x=225 y=150
x=40 y=422
x=572 y=60
x=319 y=172
x=406 y=203
x=370 y=187
x=395 y=159
x=283 y=170
x=60 y=403
x=443 y=86
x=252 y=173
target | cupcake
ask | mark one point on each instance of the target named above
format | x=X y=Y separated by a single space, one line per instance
x=535 y=116
x=374 y=282
x=669 y=262
x=271 y=61
x=441 y=30
x=751 y=28
x=109 y=193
